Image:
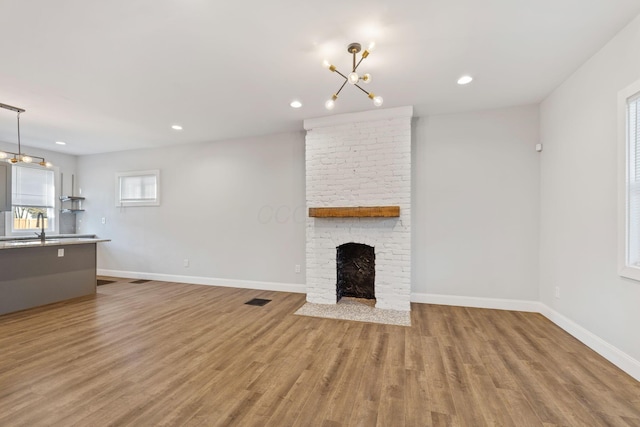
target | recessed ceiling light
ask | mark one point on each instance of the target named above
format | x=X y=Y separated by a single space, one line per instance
x=296 y=104
x=61 y=143
x=176 y=127
x=465 y=80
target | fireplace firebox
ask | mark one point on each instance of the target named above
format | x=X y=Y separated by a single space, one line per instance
x=355 y=263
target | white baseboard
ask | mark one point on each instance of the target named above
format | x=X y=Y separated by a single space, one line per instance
x=478 y=302
x=209 y=281
x=613 y=354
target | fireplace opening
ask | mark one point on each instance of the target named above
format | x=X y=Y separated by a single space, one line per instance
x=356 y=271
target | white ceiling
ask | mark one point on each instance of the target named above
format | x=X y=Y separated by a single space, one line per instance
x=115 y=75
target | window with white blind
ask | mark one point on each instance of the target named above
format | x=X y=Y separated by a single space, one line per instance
x=32 y=192
x=629 y=129
x=138 y=188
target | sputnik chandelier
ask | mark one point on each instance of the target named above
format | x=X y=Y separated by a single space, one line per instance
x=20 y=156
x=353 y=77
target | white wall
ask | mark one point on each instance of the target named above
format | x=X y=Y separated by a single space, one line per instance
x=579 y=197
x=476 y=204
x=235 y=209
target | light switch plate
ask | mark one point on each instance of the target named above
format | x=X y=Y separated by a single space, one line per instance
x=61 y=252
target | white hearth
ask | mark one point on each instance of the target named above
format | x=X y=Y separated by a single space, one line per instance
x=360 y=160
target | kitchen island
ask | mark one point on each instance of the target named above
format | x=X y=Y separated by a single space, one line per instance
x=34 y=273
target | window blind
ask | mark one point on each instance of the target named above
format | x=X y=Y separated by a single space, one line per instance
x=138 y=188
x=633 y=184
x=33 y=187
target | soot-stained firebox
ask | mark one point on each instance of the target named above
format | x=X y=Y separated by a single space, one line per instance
x=356 y=271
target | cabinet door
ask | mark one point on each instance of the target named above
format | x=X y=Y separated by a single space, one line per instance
x=5 y=186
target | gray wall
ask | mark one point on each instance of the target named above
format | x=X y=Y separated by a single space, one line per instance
x=579 y=203
x=235 y=209
x=476 y=204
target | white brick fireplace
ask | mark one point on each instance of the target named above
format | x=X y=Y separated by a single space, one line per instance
x=360 y=160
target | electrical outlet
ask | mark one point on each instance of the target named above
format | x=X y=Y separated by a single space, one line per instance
x=558 y=292
x=185 y=263
x=61 y=252
x=297 y=268
x=104 y=220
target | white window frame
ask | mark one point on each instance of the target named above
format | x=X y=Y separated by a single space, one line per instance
x=625 y=268
x=137 y=202
x=52 y=218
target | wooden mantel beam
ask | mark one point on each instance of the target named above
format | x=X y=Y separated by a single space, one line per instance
x=356 y=212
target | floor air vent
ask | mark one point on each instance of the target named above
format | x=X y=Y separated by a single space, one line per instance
x=258 y=301
x=140 y=281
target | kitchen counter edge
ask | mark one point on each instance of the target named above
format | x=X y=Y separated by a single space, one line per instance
x=23 y=244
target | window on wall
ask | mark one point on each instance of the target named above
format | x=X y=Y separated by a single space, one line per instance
x=32 y=193
x=138 y=188
x=629 y=129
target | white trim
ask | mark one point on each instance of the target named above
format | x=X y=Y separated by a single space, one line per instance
x=478 y=302
x=624 y=270
x=628 y=271
x=208 y=281
x=53 y=217
x=365 y=116
x=137 y=202
x=613 y=354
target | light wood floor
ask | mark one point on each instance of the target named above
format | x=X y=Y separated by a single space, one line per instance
x=173 y=354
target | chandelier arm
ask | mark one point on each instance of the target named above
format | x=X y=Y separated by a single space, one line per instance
x=338 y=92
x=358 y=64
x=358 y=86
x=343 y=76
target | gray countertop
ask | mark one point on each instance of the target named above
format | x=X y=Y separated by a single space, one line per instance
x=31 y=236
x=50 y=241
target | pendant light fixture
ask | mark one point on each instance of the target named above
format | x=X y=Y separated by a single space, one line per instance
x=353 y=77
x=20 y=156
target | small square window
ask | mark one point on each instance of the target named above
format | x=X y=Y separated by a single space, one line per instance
x=138 y=188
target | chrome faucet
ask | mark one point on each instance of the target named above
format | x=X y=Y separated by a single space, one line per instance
x=41 y=235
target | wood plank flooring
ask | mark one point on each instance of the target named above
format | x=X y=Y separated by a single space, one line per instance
x=172 y=354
